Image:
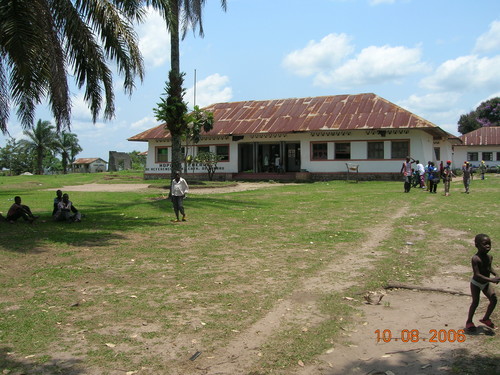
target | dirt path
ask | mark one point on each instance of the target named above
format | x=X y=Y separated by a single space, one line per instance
x=240 y=186
x=301 y=308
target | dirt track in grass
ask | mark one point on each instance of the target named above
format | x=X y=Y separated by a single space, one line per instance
x=425 y=326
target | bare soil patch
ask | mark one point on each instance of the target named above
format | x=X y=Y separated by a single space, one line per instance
x=240 y=186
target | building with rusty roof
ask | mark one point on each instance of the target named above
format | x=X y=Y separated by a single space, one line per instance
x=479 y=144
x=319 y=136
x=89 y=165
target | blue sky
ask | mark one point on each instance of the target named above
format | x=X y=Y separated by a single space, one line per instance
x=436 y=58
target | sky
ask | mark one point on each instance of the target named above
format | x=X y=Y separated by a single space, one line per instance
x=436 y=58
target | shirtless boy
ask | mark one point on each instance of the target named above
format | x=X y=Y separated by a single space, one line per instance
x=482 y=268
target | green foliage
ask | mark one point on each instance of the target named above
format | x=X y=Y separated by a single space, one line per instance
x=172 y=109
x=14 y=158
x=138 y=161
x=209 y=160
x=41 y=40
x=197 y=121
x=486 y=114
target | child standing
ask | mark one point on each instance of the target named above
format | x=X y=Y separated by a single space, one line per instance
x=482 y=268
x=447 y=177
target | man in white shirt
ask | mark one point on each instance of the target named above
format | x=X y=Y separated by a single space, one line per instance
x=421 y=173
x=178 y=190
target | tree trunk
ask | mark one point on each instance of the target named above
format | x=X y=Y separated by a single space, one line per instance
x=175 y=68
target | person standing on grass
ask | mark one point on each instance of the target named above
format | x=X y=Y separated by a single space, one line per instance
x=466 y=175
x=482 y=169
x=433 y=176
x=406 y=171
x=482 y=268
x=18 y=210
x=421 y=173
x=178 y=190
x=447 y=177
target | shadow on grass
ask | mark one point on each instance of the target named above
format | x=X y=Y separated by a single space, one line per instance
x=9 y=365
x=462 y=362
x=104 y=223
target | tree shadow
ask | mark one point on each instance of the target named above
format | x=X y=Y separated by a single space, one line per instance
x=11 y=365
x=102 y=224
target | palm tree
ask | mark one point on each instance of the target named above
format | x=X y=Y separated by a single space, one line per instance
x=191 y=12
x=66 y=144
x=40 y=141
x=40 y=40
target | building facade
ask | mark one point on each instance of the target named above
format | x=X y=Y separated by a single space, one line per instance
x=480 y=144
x=89 y=165
x=316 y=137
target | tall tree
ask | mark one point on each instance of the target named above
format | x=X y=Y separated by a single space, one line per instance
x=486 y=114
x=66 y=144
x=190 y=13
x=40 y=140
x=15 y=159
x=41 y=39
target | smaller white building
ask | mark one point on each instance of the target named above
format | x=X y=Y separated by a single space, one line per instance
x=89 y=165
x=480 y=144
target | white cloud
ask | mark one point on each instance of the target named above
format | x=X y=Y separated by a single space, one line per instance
x=319 y=56
x=489 y=41
x=374 y=65
x=434 y=102
x=154 y=39
x=144 y=123
x=377 y=2
x=465 y=72
x=79 y=108
x=213 y=89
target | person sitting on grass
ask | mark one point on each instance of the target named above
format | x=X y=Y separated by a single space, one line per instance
x=66 y=211
x=482 y=268
x=57 y=199
x=18 y=210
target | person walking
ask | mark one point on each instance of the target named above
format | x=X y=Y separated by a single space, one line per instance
x=178 y=191
x=466 y=176
x=406 y=172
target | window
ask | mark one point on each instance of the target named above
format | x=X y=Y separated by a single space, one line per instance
x=487 y=156
x=375 y=150
x=437 y=153
x=472 y=156
x=498 y=155
x=319 y=151
x=203 y=149
x=161 y=154
x=223 y=152
x=400 y=149
x=342 y=150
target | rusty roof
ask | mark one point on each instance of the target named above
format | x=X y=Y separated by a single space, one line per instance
x=485 y=136
x=87 y=160
x=324 y=113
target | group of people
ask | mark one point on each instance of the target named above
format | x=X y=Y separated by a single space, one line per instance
x=63 y=210
x=429 y=177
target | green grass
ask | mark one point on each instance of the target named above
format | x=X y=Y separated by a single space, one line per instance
x=129 y=277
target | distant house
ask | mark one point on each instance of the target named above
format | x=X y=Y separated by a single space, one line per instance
x=480 y=144
x=321 y=137
x=89 y=165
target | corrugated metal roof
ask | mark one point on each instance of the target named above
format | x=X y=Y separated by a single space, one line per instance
x=87 y=160
x=485 y=136
x=325 y=113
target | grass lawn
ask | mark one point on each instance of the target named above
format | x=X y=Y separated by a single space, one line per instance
x=127 y=289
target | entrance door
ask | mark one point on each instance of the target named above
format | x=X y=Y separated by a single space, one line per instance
x=245 y=157
x=292 y=157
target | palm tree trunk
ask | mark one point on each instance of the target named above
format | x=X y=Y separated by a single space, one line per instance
x=175 y=69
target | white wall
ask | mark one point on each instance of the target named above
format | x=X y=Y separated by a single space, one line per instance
x=421 y=147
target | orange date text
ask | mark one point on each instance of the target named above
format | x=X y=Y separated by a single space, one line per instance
x=414 y=335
